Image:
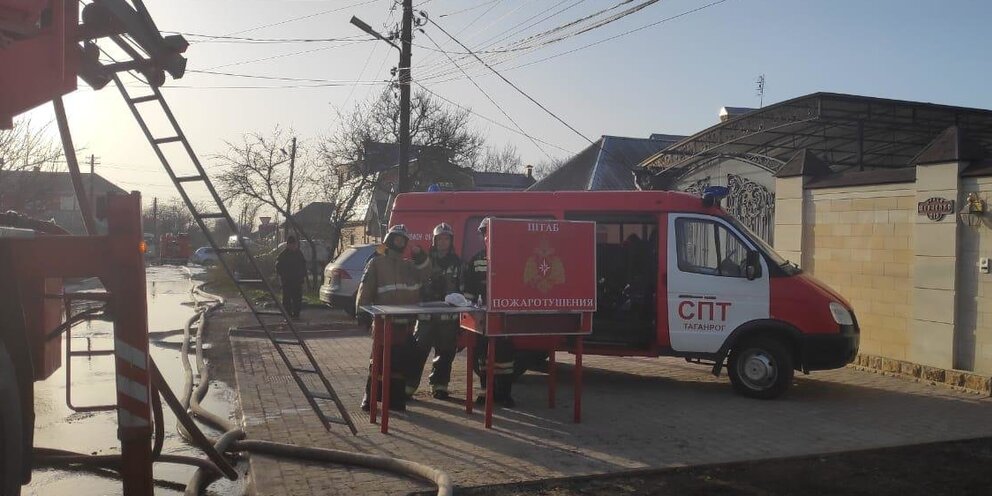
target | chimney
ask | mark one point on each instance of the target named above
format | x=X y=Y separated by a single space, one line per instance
x=265 y=220
x=530 y=171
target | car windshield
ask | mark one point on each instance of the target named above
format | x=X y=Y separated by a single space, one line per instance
x=790 y=267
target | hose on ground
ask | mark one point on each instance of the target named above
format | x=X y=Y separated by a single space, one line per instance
x=233 y=439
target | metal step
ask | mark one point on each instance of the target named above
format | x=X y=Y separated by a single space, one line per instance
x=308 y=363
x=171 y=139
x=143 y=99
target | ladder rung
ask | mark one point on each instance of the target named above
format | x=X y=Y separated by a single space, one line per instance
x=91 y=353
x=162 y=141
x=304 y=371
x=143 y=99
x=293 y=342
x=210 y=215
x=189 y=179
x=248 y=281
x=321 y=396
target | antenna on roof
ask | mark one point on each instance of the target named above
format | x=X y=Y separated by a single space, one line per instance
x=760 y=90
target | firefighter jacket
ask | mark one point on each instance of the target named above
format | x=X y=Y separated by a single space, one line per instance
x=445 y=276
x=474 y=277
x=391 y=280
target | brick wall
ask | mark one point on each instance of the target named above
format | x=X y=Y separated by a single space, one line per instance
x=974 y=344
x=859 y=240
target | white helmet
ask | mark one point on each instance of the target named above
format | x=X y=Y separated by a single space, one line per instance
x=444 y=228
x=398 y=230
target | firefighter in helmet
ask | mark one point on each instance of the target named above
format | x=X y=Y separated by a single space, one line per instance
x=439 y=332
x=474 y=288
x=389 y=279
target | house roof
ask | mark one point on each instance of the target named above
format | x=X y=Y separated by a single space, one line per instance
x=607 y=164
x=506 y=181
x=57 y=181
x=315 y=213
x=381 y=156
x=845 y=131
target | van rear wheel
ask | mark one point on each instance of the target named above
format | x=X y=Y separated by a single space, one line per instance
x=761 y=368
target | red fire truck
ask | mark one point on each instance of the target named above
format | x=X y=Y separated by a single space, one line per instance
x=676 y=276
x=174 y=248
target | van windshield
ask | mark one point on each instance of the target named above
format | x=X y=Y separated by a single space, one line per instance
x=788 y=266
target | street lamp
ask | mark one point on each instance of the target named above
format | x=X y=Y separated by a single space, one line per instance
x=360 y=24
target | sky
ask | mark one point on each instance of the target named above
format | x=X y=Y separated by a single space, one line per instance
x=670 y=78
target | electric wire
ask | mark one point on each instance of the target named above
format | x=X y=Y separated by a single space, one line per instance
x=498 y=106
x=514 y=86
x=300 y=18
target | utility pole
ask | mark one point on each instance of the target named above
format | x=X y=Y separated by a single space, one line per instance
x=760 y=90
x=92 y=172
x=155 y=220
x=406 y=44
x=289 y=194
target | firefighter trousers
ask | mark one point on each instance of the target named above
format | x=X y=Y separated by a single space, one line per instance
x=442 y=337
x=502 y=368
x=401 y=355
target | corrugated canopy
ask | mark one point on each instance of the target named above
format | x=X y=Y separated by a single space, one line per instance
x=846 y=131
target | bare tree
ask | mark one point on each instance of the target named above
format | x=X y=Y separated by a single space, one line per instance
x=432 y=124
x=25 y=147
x=493 y=159
x=545 y=167
x=256 y=173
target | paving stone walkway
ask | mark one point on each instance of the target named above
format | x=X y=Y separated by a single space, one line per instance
x=638 y=413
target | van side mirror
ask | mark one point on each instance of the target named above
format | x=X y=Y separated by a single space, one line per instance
x=752 y=267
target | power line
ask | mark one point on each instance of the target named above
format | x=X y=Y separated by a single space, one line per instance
x=209 y=38
x=489 y=119
x=483 y=4
x=514 y=86
x=498 y=106
x=280 y=56
x=588 y=45
x=300 y=18
x=281 y=78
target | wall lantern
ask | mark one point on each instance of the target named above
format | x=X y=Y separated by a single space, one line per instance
x=973 y=211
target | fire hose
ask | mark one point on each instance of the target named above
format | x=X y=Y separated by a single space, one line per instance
x=233 y=438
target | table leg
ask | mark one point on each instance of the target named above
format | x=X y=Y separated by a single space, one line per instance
x=387 y=370
x=469 y=366
x=552 y=378
x=578 y=380
x=490 y=386
x=376 y=372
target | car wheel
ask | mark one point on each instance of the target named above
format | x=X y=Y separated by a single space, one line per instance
x=350 y=308
x=761 y=368
x=11 y=425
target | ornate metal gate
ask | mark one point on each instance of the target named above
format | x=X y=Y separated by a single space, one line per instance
x=749 y=202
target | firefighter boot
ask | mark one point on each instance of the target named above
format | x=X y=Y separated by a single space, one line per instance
x=397 y=394
x=504 y=386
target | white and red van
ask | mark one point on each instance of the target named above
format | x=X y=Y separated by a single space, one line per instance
x=677 y=276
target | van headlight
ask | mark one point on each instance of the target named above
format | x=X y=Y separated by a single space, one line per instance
x=842 y=316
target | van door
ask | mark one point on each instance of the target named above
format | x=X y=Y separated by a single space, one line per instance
x=709 y=293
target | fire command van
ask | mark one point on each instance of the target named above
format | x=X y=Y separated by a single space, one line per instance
x=676 y=276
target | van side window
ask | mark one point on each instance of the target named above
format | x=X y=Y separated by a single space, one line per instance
x=707 y=247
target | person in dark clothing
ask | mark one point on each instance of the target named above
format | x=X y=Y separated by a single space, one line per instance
x=292 y=270
x=440 y=331
x=475 y=275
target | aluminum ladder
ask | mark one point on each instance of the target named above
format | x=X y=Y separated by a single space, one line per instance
x=291 y=347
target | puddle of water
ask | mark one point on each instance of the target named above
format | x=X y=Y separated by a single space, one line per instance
x=93 y=383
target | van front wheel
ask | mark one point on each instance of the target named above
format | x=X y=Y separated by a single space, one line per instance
x=761 y=368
